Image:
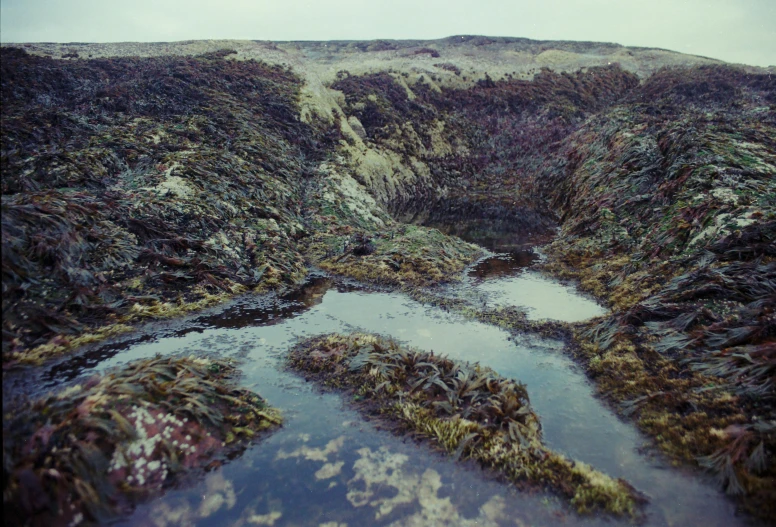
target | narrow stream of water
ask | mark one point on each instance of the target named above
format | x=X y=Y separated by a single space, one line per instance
x=328 y=466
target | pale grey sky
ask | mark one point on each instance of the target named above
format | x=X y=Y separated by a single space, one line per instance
x=732 y=30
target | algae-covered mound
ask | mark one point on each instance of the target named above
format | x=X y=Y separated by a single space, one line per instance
x=485 y=144
x=405 y=255
x=140 y=187
x=669 y=214
x=464 y=409
x=134 y=186
x=92 y=451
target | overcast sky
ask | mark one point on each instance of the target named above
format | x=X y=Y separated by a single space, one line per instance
x=732 y=30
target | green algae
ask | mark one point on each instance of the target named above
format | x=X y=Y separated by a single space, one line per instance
x=92 y=451
x=466 y=410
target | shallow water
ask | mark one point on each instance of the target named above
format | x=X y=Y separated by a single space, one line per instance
x=541 y=297
x=503 y=265
x=494 y=235
x=326 y=464
x=506 y=279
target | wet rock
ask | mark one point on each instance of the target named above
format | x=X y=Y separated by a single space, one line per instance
x=92 y=451
x=466 y=410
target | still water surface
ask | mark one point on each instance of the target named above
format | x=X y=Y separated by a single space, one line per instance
x=507 y=280
x=328 y=466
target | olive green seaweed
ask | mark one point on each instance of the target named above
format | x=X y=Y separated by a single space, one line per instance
x=466 y=410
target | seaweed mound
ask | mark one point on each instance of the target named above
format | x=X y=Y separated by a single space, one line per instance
x=669 y=214
x=145 y=183
x=92 y=451
x=148 y=187
x=463 y=409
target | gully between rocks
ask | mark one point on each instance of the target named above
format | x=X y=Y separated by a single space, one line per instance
x=329 y=466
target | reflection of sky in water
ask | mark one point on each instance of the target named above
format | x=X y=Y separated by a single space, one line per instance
x=541 y=296
x=327 y=465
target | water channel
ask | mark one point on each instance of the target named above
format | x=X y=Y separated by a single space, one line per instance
x=328 y=466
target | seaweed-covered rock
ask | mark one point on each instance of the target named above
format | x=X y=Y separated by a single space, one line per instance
x=148 y=187
x=404 y=255
x=143 y=182
x=92 y=451
x=145 y=187
x=463 y=409
x=668 y=206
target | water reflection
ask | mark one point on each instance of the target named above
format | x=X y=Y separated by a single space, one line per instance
x=71 y=367
x=505 y=279
x=508 y=280
x=542 y=297
x=495 y=235
x=248 y=311
x=326 y=464
x=242 y=312
x=503 y=265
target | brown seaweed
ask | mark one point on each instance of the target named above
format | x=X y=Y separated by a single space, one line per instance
x=94 y=450
x=466 y=410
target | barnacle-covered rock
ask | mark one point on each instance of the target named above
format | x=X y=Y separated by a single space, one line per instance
x=93 y=450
